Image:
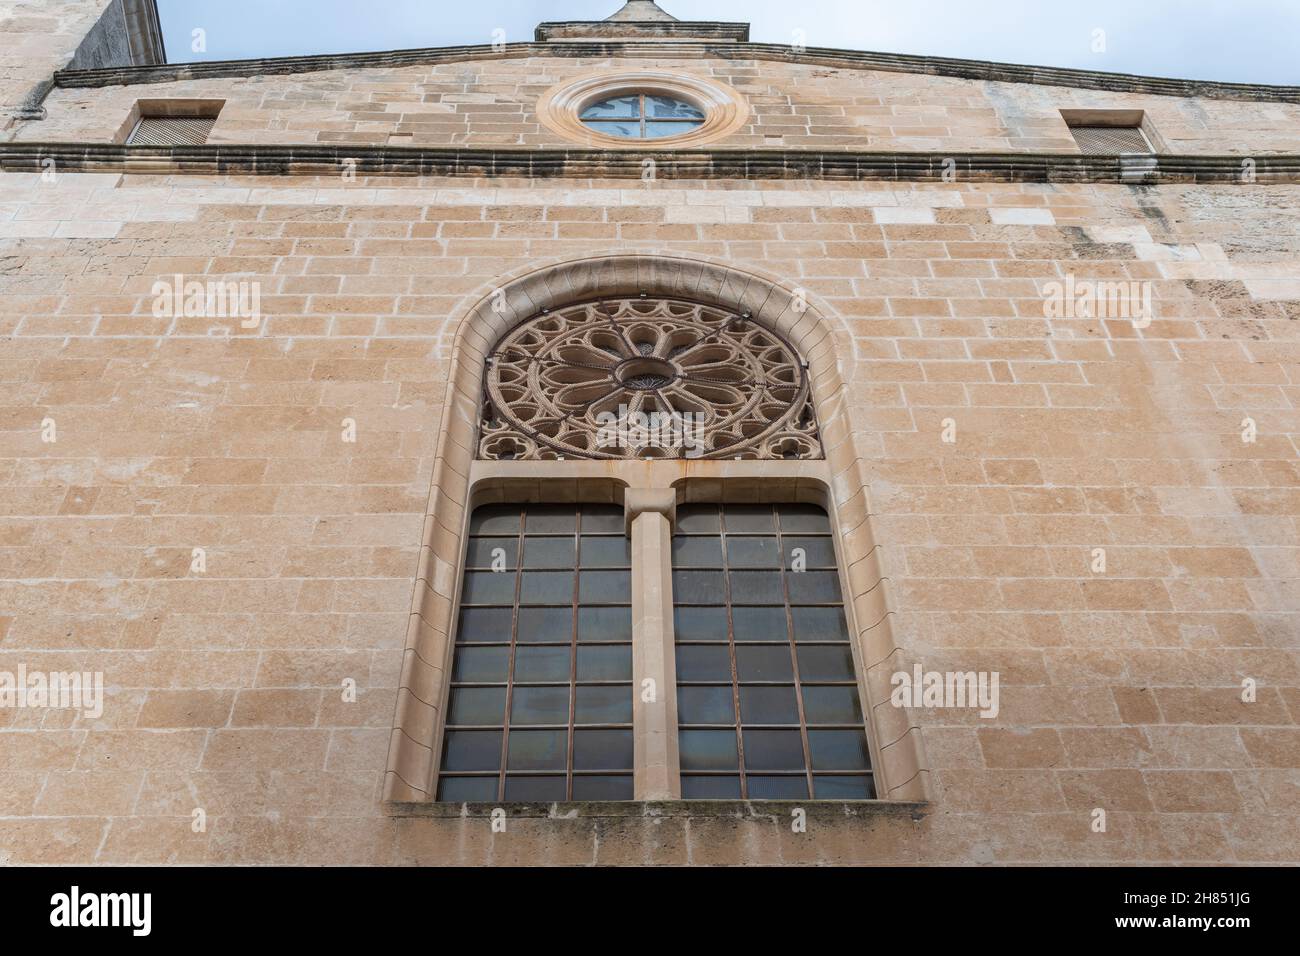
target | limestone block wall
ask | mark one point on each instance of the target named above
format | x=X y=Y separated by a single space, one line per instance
x=40 y=36
x=1120 y=689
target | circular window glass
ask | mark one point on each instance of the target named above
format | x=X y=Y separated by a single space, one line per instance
x=642 y=116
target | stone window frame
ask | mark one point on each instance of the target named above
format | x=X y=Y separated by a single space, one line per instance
x=725 y=109
x=649 y=492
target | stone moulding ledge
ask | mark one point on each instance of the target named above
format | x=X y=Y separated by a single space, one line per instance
x=761 y=164
x=812 y=56
x=776 y=810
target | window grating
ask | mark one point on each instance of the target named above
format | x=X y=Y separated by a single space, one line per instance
x=767 y=700
x=171 y=131
x=1110 y=140
x=540 y=707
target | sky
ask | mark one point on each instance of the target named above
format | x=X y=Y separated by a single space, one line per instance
x=1247 y=41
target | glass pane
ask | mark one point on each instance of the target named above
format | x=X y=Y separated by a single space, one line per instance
x=602 y=788
x=495 y=519
x=546 y=587
x=602 y=519
x=819 y=624
x=548 y=553
x=710 y=788
x=843 y=788
x=538 y=750
x=698 y=519
x=814 y=587
x=698 y=587
x=804 y=519
x=838 y=750
x=604 y=663
x=534 y=789
x=668 y=107
x=551 y=519
x=817 y=552
x=700 y=623
x=699 y=552
x=540 y=665
x=539 y=705
x=472 y=750
x=768 y=705
x=607 y=552
x=485 y=587
x=604 y=705
x=484 y=625
x=602 y=750
x=605 y=624
x=705 y=705
x=773 y=750
x=832 y=705
x=630 y=130
x=703 y=662
x=481 y=665
x=778 y=788
x=467 y=789
x=760 y=624
x=753 y=553
x=662 y=130
x=604 y=587
x=825 y=663
x=749 y=519
x=477 y=706
x=545 y=625
x=619 y=107
x=763 y=663
x=483 y=553
x=756 y=587
x=707 y=749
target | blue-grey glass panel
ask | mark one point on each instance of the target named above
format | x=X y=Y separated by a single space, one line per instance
x=843 y=788
x=545 y=625
x=777 y=788
x=482 y=553
x=756 y=587
x=710 y=788
x=764 y=663
x=603 y=519
x=700 y=623
x=538 y=750
x=488 y=587
x=832 y=705
x=603 y=705
x=495 y=519
x=605 y=624
x=838 y=750
x=481 y=665
x=814 y=587
x=477 y=706
x=817 y=552
x=697 y=552
x=467 y=789
x=698 y=519
x=760 y=623
x=469 y=750
x=655 y=130
x=705 y=705
x=749 y=519
x=599 y=663
x=534 y=789
x=819 y=624
x=825 y=663
x=484 y=625
x=604 y=587
x=804 y=519
x=669 y=107
x=707 y=749
x=773 y=750
x=703 y=662
x=548 y=553
x=551 y=519
x=605 y=552
x=629 y=130
x=618 y=107
x=539 y=705
x=602 y=788
x=768 y=705
x=546 y=587
x=543 y=664
x=602 y=750
x=755 y=552
x=699 y=587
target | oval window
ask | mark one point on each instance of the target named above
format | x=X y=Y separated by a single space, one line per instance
x=642 y=116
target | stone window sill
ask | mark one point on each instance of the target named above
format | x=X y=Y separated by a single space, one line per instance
x=696 y=809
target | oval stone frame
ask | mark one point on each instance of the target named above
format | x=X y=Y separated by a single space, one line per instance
x=725 y=110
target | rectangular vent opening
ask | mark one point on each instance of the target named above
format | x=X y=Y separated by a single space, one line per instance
x=1110 y=140
x=171 y=131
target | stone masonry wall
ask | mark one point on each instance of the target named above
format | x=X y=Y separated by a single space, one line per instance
x=1120 y=690
x=39 y=37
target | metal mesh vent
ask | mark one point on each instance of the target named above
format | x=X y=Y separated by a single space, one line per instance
x=1110 y=140
x=171 y=131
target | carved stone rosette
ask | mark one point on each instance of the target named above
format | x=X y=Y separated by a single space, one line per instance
x=630 y=378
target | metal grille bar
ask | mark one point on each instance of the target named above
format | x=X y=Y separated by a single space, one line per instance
x=1110 y=140
x=171 y=131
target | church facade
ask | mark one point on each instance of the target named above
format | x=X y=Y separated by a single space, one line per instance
x=642 y=445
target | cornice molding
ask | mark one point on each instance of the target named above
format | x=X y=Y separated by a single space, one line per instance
x=731 y=164
x=586 y=50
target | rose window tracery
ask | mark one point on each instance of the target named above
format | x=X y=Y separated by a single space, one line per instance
x=637 y=378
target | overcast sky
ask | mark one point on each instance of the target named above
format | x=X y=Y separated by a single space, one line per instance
x=1254 y=41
